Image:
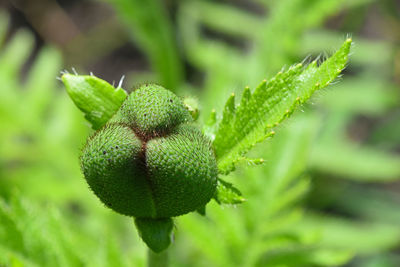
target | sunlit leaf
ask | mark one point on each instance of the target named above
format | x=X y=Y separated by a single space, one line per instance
x=253 y=120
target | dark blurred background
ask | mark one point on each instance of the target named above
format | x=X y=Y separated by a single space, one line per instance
x=92 y=36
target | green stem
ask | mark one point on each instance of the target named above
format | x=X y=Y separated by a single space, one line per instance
x=157 y=259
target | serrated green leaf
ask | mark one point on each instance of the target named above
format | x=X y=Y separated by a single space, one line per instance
x=96 y=98
x=227 y=194
x=272 y=101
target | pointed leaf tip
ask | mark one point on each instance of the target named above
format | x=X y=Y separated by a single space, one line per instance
x=270 y=104
x=96 y=98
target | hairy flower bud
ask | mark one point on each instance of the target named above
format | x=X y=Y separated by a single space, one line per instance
x=150 y=160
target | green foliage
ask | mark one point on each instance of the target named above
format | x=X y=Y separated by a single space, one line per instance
x=40 y=136
x=263 y=224
x=355 y=162
x=38 y=122
x=96 y=98
x=151 y=29
x=33 y=235
x=335 y=153
x=271 y=102
x=272 y=43
x=226 y=193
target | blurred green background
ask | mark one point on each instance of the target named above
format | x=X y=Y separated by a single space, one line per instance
x=328 y=193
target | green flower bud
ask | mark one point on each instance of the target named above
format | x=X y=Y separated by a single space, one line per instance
x=113 y=167
x=183 y=171
x=150 y=160
x=152 y=111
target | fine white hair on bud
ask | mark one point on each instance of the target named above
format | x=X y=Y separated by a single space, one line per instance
x=150 y=160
